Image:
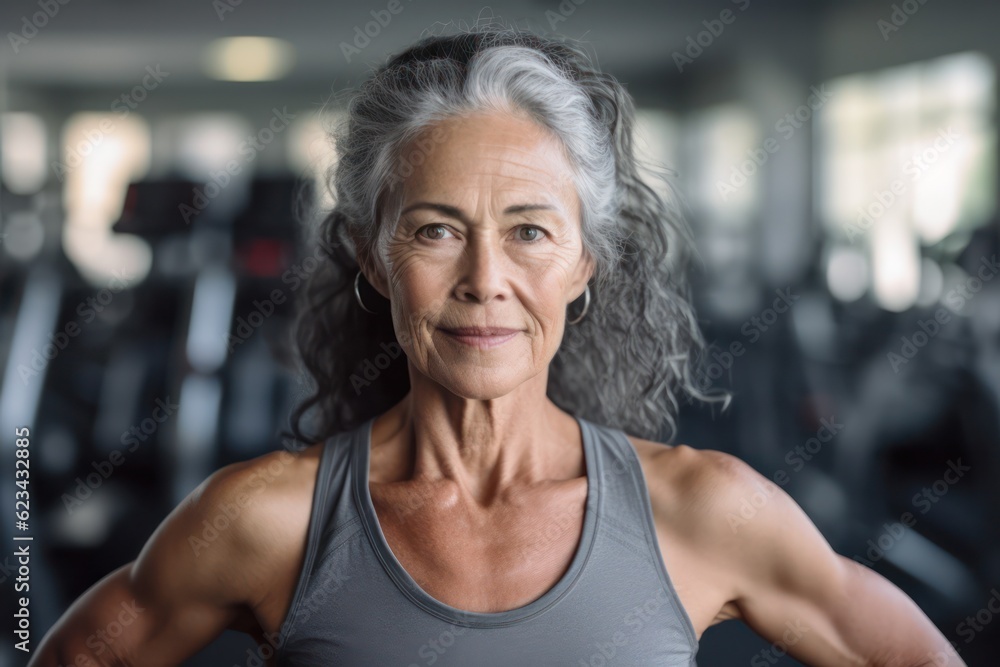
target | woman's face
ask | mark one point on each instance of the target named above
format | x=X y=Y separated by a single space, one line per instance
x=489 y=236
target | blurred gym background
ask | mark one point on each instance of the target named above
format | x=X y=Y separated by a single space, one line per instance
x=837 y=160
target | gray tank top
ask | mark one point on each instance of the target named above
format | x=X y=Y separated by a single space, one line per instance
x=354 y=604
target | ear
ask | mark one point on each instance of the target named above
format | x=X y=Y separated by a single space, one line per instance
x=370 y=268
x=584 y=272
x=375 y=277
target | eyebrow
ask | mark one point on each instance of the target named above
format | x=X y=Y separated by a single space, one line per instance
x=455 y=212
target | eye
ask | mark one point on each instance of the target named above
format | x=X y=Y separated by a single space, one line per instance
x=534 y=233
x=439 y=231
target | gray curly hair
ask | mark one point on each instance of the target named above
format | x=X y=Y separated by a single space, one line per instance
x=633 y=355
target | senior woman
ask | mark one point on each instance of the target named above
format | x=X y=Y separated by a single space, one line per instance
x=497 y=271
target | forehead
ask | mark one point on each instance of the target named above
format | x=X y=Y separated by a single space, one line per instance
x=509 y=155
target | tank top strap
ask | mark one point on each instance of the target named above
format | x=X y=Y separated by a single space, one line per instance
x=624 y=488
x=628 y=511
x=331 y=513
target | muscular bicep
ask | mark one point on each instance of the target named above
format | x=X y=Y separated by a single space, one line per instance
x=845 y=614
x=112 y=625
x=181 y=592
x=793 y=589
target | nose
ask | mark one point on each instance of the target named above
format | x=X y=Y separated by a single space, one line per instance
x=483 y=271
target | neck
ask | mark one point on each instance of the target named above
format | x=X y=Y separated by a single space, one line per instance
x=486 y=447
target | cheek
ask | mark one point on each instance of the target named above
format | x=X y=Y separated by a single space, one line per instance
x=546 y=300
x=416 y=300
x=423 y=289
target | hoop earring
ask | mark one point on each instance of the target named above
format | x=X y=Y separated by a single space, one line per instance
x=586 y=305
x=357 y=294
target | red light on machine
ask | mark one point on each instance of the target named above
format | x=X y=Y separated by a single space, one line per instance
x=263 y=257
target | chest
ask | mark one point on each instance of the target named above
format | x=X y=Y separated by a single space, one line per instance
x=521 y=564
x=484 y=559
x=491 y=560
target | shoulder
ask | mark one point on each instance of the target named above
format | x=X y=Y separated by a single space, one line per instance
x=735 y=517
x=715 y=499
x=270 y=474
x=262 y=498
x=685 y=480
x=241 y=522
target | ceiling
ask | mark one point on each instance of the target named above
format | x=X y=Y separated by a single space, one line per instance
x=91 y=51
x=107 y=42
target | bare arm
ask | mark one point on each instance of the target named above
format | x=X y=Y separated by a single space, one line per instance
x=179 y=594
x=792 y=588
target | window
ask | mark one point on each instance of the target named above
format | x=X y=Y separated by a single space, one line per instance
x=906 y=157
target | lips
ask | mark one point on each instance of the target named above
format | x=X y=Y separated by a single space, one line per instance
x=481 y=331
x=483 y=338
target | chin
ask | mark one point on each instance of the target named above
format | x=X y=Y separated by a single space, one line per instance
x=482 y=384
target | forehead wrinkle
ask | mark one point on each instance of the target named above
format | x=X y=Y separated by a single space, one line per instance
x=497 y=168
x=527 y=190
x=500 y=197
x=516 y=170
x=539 y=146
